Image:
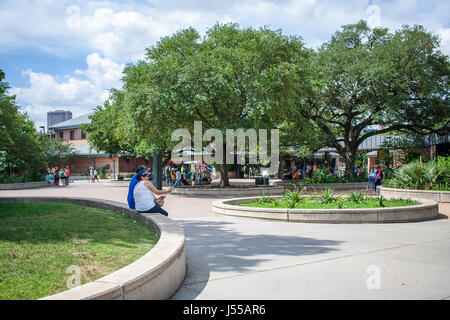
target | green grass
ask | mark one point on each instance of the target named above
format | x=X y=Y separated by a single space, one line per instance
x=39 y=241
x=338 y=203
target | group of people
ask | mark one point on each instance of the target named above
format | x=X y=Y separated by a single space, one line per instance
x=58 y=176
x=376 y=177
x=176 y=176
x=93 y=175
x=292 y=175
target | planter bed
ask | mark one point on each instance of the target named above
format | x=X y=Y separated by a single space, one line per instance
x=427 y=210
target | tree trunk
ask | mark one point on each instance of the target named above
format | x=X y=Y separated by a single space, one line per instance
x=224 y=182
x=349 y=159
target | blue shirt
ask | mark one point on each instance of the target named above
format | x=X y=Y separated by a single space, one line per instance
x=130 y=198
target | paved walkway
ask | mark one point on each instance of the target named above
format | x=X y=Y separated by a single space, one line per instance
x=241 y=258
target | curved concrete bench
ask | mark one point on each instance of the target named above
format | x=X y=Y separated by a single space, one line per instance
x=24 y=185
x=155 y=276
x=229 y=191
x=428 y=210
x=289 y=185
x=439 y=196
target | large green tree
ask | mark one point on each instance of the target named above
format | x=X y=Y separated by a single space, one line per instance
x=231 y=78
x=20 y=148
x=364 y=77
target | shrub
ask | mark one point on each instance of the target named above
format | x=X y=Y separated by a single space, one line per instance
x=357 y=197
x=381 y=201
x=422 y=176
x=327 y=196
x=26 y=177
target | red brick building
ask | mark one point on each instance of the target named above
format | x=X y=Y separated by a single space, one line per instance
x=70 y=131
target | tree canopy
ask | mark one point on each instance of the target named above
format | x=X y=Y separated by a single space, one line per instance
x=236 y=77
x=364 y=77
x=231 y=78
x=20 y=149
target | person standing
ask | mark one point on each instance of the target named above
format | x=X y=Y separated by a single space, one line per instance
x=380 y=176
x=372 y=178
x=91 y=174
x=56 y=176
x=177 y=178
x=67 y=175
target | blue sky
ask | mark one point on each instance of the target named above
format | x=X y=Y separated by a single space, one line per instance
x=65 y=54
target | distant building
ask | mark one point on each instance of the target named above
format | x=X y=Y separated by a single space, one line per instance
x=58 y=116
x=71 y=132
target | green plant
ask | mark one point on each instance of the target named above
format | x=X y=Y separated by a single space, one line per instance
x=327 y=196
x=26 y=177
x=356 y=197
x=381 y=201
x=421 y=176
x=264 y=199
x=291 y=198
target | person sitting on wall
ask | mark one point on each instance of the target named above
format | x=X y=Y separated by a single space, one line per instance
x=49 y=179
x=144 y=195
x=133 y=183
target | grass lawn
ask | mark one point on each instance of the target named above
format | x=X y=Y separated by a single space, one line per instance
x=39 y=241
x=338 y=203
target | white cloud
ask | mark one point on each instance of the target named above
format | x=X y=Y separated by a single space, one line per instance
x=79 y=93
x=118 y=32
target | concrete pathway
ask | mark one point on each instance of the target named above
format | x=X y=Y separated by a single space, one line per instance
x=241 y=258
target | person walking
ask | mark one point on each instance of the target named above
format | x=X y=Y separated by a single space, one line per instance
x=177 y=178
x=143 y=194
x=372 y=178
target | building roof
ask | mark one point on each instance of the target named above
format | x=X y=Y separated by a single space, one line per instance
x=72 y=123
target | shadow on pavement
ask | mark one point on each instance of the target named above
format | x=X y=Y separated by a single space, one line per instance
x=216 y=247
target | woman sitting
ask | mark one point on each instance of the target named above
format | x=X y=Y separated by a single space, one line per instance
x=143 y=195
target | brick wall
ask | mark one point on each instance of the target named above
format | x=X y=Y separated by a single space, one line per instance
x=66 y=134
x=129 y=165
x=81 y=164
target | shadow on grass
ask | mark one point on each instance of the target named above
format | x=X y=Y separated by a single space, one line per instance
x=217 y=247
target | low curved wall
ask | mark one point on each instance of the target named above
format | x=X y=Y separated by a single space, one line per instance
x=289 y=185
x=428 y=210
x=24 y=185
x=117 y=183
x=155 y=276
x=439 y=196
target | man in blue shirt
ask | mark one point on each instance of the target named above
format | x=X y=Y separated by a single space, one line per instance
x=133 y=183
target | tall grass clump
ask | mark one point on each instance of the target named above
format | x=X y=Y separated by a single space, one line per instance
x=432 y=175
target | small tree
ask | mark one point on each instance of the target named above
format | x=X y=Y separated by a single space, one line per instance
x=19 y=142
x=57 y=151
